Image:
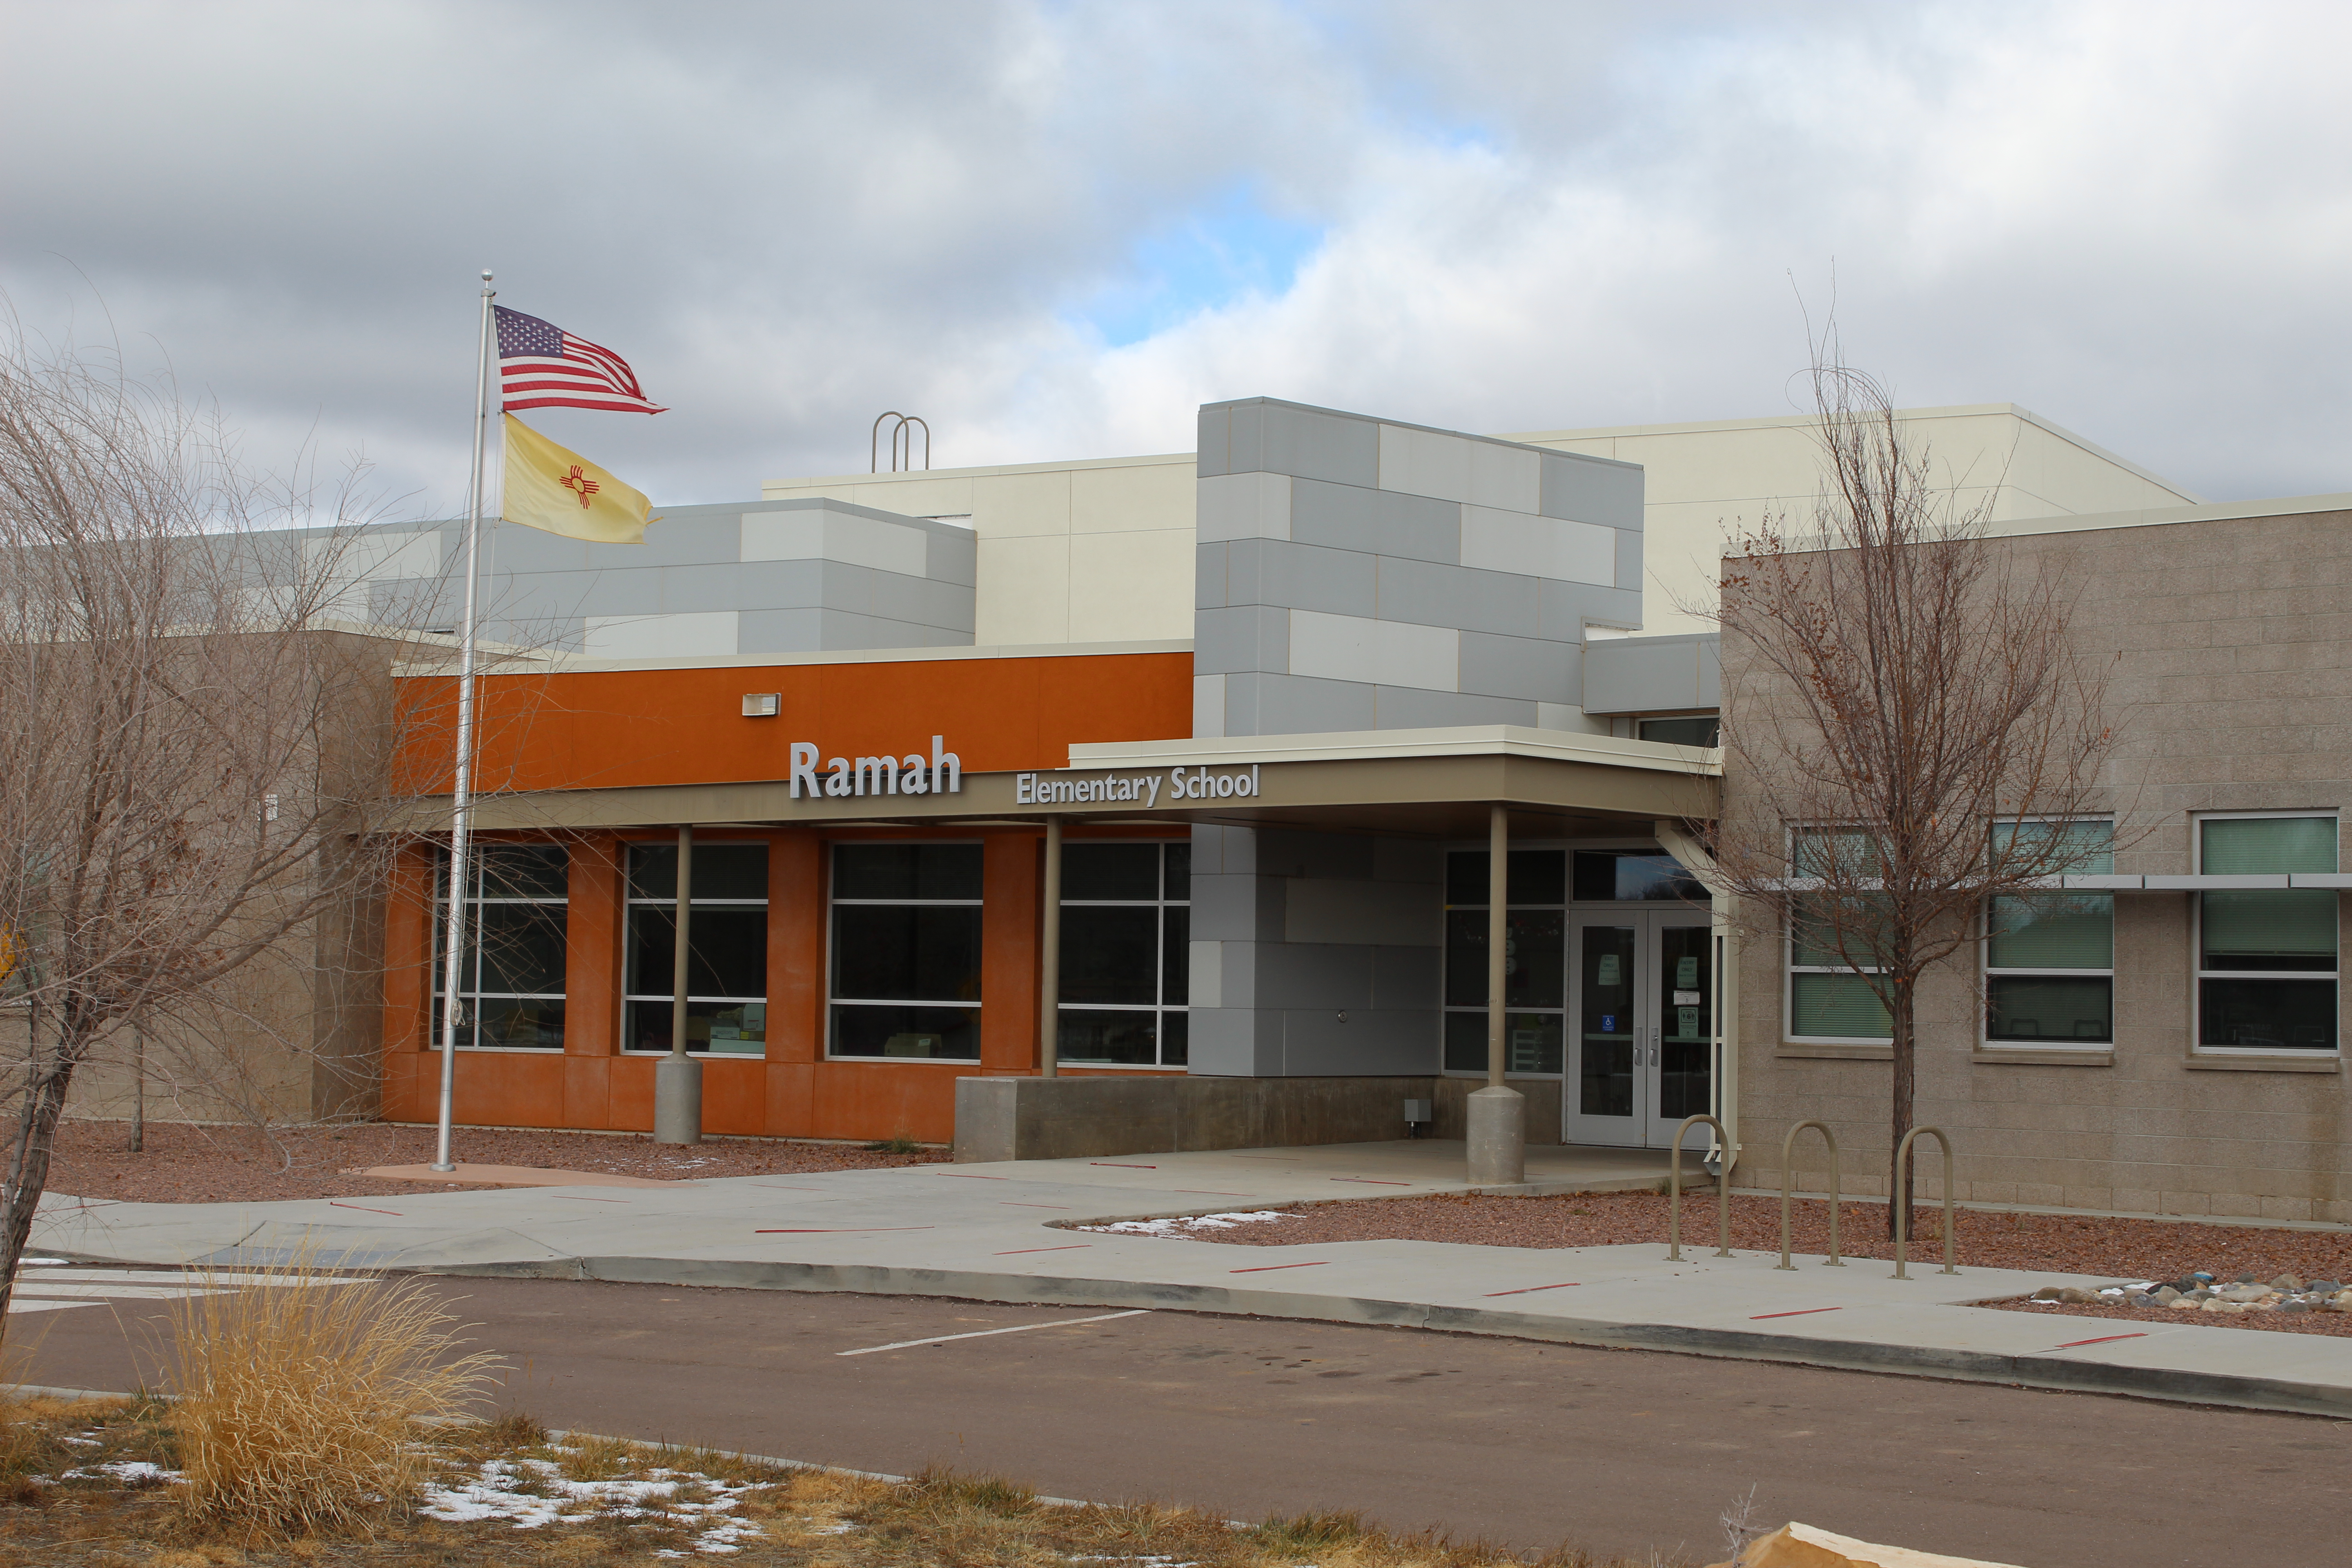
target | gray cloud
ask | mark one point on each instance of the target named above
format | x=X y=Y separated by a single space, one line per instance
x=791 y=216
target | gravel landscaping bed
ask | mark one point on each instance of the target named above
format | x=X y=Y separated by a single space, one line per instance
x=2121 y=1249
x=186 y=1164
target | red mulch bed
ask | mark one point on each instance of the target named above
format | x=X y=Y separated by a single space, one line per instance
x=2120 y=1250
x=185 y=1165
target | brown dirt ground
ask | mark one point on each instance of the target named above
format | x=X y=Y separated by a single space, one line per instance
x=187 y=1164
x=2061 y=1244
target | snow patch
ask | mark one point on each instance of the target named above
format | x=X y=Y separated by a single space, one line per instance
x=1181 y=1224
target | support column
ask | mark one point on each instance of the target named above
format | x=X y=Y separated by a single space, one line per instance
x=1049 y=956
x=1498 y=1114
x=678 y=1077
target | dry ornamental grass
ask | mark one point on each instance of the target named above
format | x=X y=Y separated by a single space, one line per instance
x=86 y=1485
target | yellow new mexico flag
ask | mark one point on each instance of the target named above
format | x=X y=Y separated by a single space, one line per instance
x=564 y=493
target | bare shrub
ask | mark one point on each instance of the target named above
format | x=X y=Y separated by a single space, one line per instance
x=300 y=1394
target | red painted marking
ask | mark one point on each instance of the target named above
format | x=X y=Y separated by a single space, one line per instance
x=1797 y=1313
x=1374 y=1181
x=2102 y=1339
x=1267 y=1268
x=1212 y=1193
x=570 y=1198
x=364 y=1208
x=842 y=1230
x=968 y=1176
x=1009 y=1204
x=1122 y=1164
x=1526 y=1289
x=1019 y=1250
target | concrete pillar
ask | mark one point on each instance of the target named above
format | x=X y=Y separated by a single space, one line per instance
x=1049 y=957
x=678 y=1077
x=1498 y=1114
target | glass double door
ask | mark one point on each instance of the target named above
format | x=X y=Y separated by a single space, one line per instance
x=1641 y=1034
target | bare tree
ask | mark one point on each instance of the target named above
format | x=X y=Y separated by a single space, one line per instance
x=1909 y=727
x=187 y=742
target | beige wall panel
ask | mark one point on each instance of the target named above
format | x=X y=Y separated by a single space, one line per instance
x=1127 y=586
x=1008 y=506
x=1025 y=590
x=910 y=496
x=1145 y=497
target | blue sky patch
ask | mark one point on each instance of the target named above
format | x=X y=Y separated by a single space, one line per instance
x=1228 y=248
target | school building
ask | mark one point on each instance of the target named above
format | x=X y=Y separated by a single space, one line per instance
x=1269 y=707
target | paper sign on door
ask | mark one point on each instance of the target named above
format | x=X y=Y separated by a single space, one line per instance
x=1685 y=972
x=1610 y=972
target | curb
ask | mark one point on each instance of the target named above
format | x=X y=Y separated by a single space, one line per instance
x=2168 y=1385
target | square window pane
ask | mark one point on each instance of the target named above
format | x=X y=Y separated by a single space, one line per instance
x=1110 y=871
x=2086 y=843
x=719 y=1028
x=893 y=953
x=1112 y=1040
x=933 y=1034
x=515 y=871
x=1465 y=1042
x=2050 y=1009
x=501 y=1021
x=726 y=950
x=907 y=870
x=1532 y=1042
x=1175 y=954
x=1705 y=731
x=2291 y=928
x=1821 y=923
x=1111 y=953
x=1534 y=972
x=1610 y=874
x=1837 y=1007
x=720 y=871
x=2239 y=846
x=2052 y=930
x=1538 y=877
x=1179 y=874
x=521 y=947
x=1845 y=852
x=2267 y=1015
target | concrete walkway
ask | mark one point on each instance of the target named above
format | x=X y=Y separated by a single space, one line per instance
x=998 y=1232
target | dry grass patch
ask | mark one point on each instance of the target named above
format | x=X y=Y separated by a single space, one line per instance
x=101 y=1488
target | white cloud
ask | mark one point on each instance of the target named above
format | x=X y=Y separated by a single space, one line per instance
x=2128 y=217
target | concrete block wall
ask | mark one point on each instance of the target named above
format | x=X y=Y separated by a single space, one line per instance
x=1315 y=953
x=2231 y=678
x=782 y=576
x=1356 y=573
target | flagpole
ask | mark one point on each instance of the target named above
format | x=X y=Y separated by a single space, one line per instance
x=462 y=801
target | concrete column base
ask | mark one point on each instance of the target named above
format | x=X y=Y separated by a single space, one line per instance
x=1498 y=1138
x=678 y=1099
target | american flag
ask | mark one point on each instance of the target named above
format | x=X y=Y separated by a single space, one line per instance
x=541 y=365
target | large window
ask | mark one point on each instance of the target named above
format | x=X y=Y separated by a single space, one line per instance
x=510 y=988
x=905 y=951
x=1125 y=934
x=1834 y=943
x=727 y=943
x=1535 y=960
x=2266 y=959
x=2050 y=958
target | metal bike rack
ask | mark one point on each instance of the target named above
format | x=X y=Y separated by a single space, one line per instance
x=1675 y=1193
x=1788 y=1145
x=1902 y=1200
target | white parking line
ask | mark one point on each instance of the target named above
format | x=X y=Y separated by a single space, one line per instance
x=52 y=1288
x=983 y=1333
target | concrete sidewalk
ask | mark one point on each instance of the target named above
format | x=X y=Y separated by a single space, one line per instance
x=989 y=1232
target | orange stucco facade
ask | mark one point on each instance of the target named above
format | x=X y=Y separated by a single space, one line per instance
x=618 y=729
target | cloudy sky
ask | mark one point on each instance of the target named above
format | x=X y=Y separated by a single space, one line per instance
x=1055 y=229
